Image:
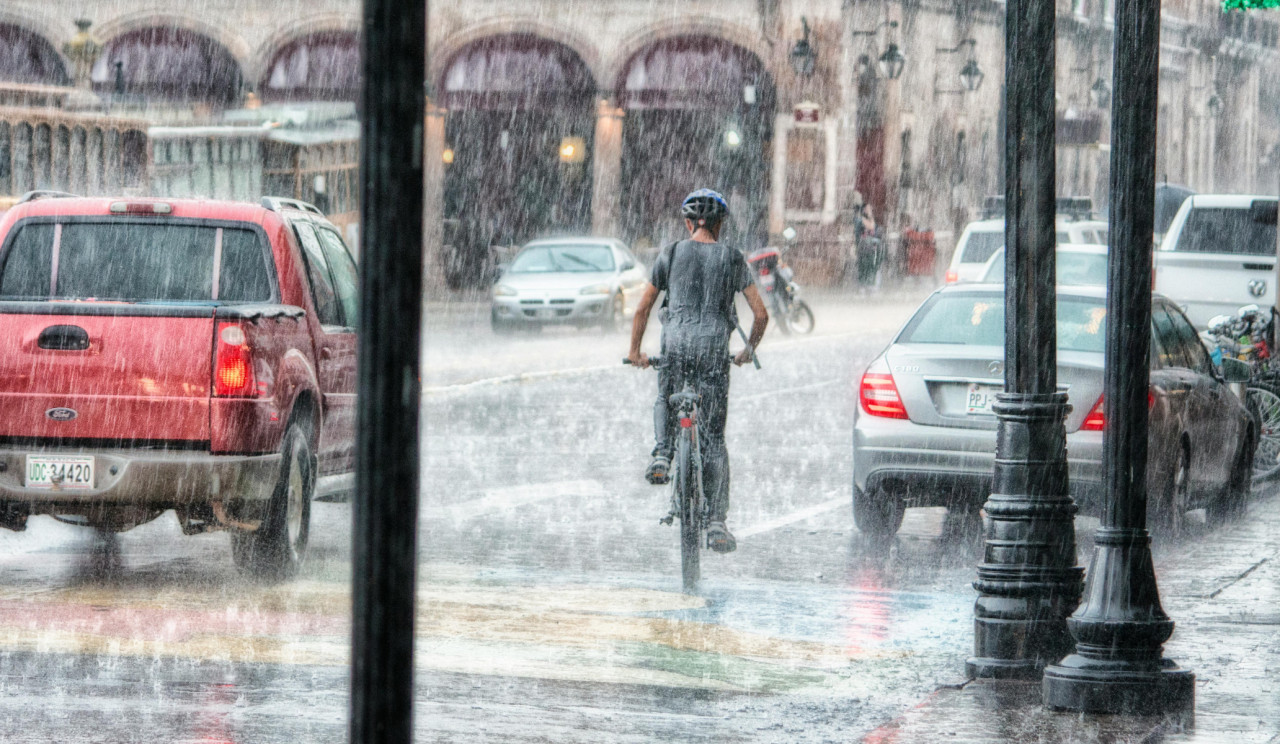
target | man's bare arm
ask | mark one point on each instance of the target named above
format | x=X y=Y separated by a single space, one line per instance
x=759 y=321
x=640 y=322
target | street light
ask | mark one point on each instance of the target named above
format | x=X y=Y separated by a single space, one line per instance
x=803 y=54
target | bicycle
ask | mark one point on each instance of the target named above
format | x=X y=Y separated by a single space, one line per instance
x=688 y=500
x=1244 y=337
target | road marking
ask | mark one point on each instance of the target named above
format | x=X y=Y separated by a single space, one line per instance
x=498 y=499
x=793 y=517
x=783 y=391
x=464 y=387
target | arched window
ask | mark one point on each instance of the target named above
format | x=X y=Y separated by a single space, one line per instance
x=27 y=57
x=170 y=64
x=323 y=66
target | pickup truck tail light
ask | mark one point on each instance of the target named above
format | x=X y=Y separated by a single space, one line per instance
x=233 y=364
x=878 y=393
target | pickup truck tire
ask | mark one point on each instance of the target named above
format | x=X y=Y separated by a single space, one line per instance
x=277 y=548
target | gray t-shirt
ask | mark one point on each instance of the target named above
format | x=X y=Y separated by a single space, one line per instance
x=700 y=280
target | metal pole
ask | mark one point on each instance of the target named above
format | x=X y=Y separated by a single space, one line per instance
x=386 y=500
x=1120 y=628
x=1028 y=581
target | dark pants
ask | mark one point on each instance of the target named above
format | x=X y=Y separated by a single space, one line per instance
x=705 y=366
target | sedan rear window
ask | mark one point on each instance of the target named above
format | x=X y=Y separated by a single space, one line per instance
x=552 y=258
x=1226 y=230
x=978 y=320
x=135 y=262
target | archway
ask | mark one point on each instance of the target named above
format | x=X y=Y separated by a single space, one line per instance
x=699 y=113
x=168 y=64
x=518 y=137
x=27 y=57
x=323 y=66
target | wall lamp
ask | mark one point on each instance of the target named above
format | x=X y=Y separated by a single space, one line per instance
x=804 y=56
x=892 y=62
x=971 y=74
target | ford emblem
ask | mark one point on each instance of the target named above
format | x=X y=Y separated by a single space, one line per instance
x=61 y=414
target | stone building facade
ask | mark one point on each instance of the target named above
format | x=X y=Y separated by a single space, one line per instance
x=574 y=116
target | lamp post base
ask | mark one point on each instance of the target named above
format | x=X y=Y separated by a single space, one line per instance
x=1094 y=686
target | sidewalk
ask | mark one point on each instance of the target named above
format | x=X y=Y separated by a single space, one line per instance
x=1221 y=587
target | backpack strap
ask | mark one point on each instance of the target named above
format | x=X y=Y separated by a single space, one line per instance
x=668 y=252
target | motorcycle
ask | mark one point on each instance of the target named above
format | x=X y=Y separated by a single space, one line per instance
x=777 y=283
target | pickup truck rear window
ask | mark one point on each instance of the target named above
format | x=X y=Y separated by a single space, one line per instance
x=135 y=262
x=1226 y=230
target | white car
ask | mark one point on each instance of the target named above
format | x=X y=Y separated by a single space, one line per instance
x=1219 y=254
x=982 y=238
x=568 y=281
x=1079 y=265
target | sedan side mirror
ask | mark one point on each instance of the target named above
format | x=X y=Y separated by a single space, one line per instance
x=1235 y=370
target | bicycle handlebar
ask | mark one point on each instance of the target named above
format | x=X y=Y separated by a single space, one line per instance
x=656 y=361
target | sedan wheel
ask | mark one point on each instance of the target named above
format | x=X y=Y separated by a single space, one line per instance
x=1171 y=512
x=877 y=513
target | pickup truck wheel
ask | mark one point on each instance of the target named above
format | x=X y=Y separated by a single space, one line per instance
x=277 y=548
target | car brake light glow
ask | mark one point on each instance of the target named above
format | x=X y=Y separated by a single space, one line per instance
x=1097 y=418
x=233 y=365
x=952 y=276
x=141 y=208
x=878 y=393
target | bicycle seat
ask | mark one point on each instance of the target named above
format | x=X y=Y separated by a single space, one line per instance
x=680 y=399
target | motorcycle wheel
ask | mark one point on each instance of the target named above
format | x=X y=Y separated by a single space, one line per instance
x=800 y=319
x=783 y=314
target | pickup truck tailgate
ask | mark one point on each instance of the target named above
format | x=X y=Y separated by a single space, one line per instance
x=108 y=375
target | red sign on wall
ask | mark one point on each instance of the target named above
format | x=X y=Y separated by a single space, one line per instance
x=808 y=113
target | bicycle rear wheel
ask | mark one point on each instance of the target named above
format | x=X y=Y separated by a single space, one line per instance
x=1262 y=399
x=690 y=515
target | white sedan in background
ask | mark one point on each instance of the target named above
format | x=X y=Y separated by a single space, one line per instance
x=568 y=281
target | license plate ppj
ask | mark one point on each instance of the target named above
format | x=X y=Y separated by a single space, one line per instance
x=979 y=400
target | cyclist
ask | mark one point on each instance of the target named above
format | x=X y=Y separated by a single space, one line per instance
x=700 y=276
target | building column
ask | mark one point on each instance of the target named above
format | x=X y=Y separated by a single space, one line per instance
x=606 y=169
x=778 y=177
x=433 y=199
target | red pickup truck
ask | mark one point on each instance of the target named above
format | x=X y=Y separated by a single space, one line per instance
x=176 y=354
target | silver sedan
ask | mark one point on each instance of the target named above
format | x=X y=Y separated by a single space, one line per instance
x=568 y=281
x=925 y=433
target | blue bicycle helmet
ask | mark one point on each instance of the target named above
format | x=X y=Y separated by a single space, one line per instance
x=704 y=207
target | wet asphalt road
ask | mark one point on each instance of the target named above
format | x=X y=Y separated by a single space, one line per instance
x=549 y=604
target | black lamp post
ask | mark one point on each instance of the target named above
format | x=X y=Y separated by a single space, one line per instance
x=803 y=54
x=1120 y=628
x=1028 y=580
x=385 y=509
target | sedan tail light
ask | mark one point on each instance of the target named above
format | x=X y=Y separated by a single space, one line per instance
x=953 y=276
x=1097 y=418
x=233 y=364
x=878 y=393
